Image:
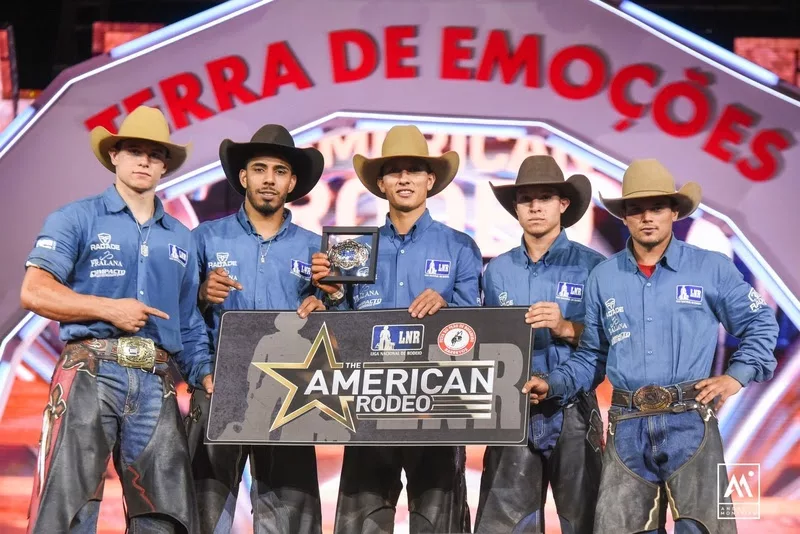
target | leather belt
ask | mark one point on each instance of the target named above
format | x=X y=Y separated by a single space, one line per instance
x=135 y=352
x=655 y=398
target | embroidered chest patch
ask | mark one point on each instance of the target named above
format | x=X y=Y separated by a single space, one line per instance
x=568 y=291
x=685 y=294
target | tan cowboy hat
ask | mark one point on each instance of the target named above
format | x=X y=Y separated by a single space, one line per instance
x=648 y=178
x=406 y=141
x=307 y=163
x=543 y=170
x=144 y=123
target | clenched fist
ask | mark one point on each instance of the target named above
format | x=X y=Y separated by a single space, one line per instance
x=217 y=286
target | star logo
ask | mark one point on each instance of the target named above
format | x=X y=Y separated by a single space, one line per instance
x=297 y=376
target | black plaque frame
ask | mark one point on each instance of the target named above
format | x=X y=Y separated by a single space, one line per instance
x=327 y=231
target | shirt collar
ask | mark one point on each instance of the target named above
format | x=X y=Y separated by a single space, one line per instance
x=558 y=247
x=423 y=223
x=115 y=204
x=244 y=220
x=670 y=259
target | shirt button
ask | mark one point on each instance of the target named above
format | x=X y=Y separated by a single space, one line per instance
x=649 y=319
x=401 y=284
x=649 y=284
x=141 y=292
x=402 y=251
x=535 y=274
x=649 y=352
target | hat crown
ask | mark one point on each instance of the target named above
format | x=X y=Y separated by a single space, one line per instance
x=539 y=169
x=274 y=134
x=145 y=123
x=404 y=140
x=647 y=175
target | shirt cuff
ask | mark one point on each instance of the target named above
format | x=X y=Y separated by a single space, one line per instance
x=558 y=385
x=200 y=373
x=742 y=372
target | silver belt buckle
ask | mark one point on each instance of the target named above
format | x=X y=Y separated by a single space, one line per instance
x=136 y=352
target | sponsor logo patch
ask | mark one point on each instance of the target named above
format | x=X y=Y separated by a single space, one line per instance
x=685 y=294
x=567 y=291
x=437 y=268
x=176 y=253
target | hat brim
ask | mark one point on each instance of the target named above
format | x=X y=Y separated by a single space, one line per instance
x=102 y=141
x=578 y=189
x=443 y=167
x=687 y=199
x=307 y=164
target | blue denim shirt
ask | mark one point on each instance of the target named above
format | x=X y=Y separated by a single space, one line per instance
x=663 y=330
x=512 y=279
x=275 y=273
x=431 y=255
x=93 y=247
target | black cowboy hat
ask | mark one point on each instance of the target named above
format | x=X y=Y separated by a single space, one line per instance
x=543 y=170
x=273 y=139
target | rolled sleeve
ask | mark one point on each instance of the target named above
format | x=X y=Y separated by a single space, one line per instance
x=57 y=245
x=194 y=360
x=745 y=315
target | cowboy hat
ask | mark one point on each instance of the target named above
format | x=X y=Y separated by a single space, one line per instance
x=400 y=142
x=543 y=170
x=144 y=123
x=646 y=178
x=272 y=139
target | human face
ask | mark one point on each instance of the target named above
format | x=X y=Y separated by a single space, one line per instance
x=139 y=164
x=267 y=181
x=539 y=209
x=650 y=220
x=406 y=182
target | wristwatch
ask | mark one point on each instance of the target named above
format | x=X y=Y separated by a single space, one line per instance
x=334 y=299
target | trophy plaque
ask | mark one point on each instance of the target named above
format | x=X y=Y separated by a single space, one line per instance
x=353 y=253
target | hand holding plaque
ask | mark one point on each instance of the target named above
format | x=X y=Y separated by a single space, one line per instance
x=352 y=252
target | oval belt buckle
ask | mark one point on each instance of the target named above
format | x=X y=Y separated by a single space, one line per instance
x=349 y=254
x=652 y=398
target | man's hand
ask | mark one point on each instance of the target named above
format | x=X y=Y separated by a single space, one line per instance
x=208 y=385
x=320 y=268
x=310 y=304
x=130 y=315
x=427 y=303
x=217 y=286
x=724 y=386
x=548 y=315
x=538 y=389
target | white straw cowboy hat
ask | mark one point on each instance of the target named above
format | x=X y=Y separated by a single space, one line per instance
x=647 y=178
x=307 y=163
x=144 y=123
x=400 y=142
x=543 y=170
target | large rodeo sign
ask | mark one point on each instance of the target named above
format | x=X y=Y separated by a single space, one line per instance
x=372 y=378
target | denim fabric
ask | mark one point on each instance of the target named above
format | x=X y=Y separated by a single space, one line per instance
x=544 y=429
x=656 y=446
x=130 y=405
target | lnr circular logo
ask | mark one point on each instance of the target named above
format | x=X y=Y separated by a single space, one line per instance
x=457 y=339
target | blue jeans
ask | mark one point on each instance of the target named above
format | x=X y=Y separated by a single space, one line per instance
x=656 y=446
x=130 y=405
x=544 y=429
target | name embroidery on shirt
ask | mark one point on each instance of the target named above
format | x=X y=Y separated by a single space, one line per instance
x=504 y=300
x=437 y=268
x=614 y=324
x=567 y=291
x=756 y=300
x=301 y=269
x=223 y=260
x=105 y=243
x=49 y=244
x=685 y=294
x=176 y=253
